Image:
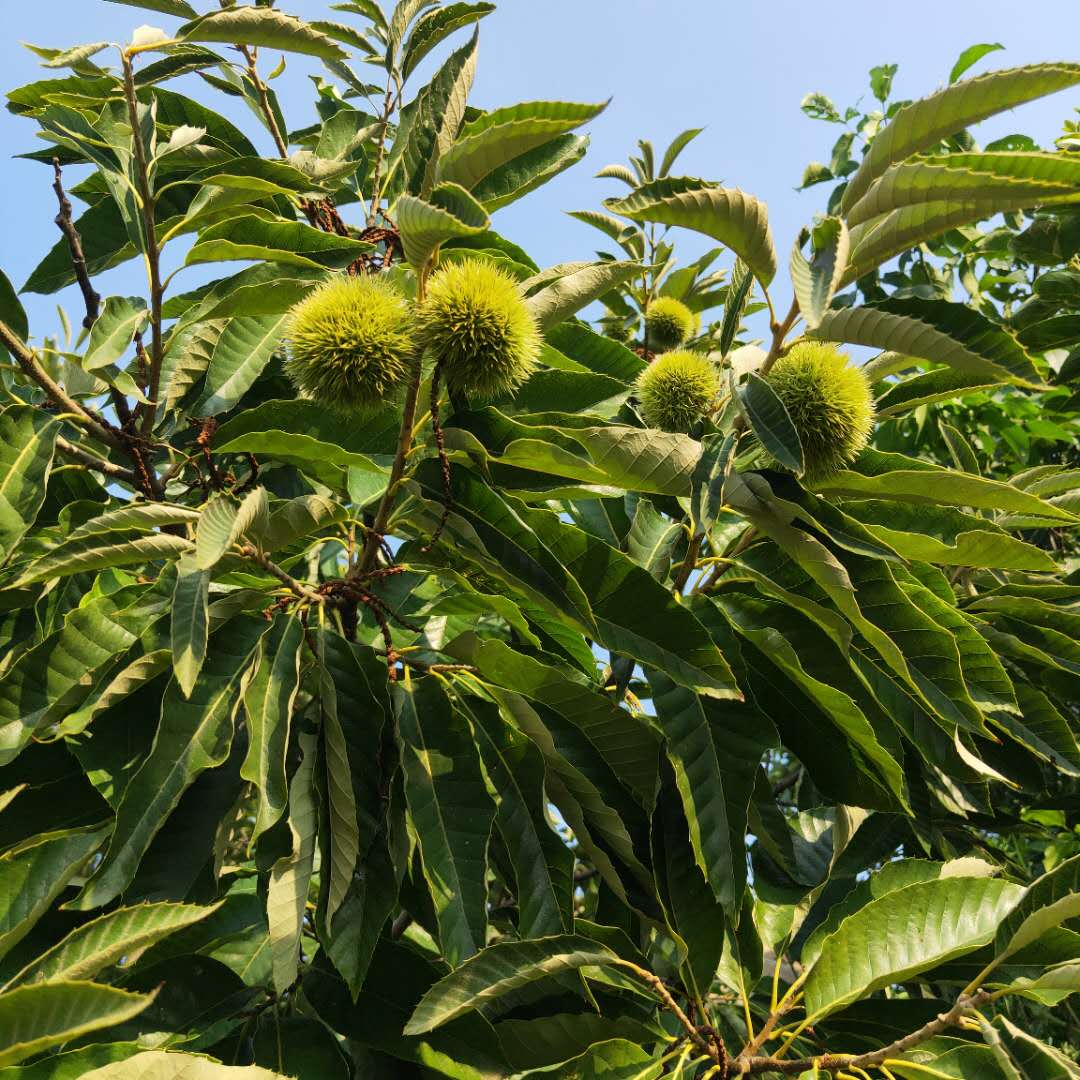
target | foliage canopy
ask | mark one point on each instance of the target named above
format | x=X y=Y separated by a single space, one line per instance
x=381 y=696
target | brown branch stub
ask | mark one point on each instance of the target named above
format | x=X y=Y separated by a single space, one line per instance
x=64 y=222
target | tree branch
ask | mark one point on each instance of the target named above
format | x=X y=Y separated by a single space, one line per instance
x=91 y=298
x=107 y=468
x=28 y=361
x=297 y=588
x=750 y=1066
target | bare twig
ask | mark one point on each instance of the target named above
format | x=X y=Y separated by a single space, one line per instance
x=64 y=223
x=106 y=468
x=297 y=588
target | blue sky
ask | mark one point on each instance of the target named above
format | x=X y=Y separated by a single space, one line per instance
x=739 y=70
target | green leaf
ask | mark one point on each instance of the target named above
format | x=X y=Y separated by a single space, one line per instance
x=817 y=279
x=528 y=171
x=437 y=26
x=180 y=8
x=81 y=556
x=290 y=876
x=449 y=212
x=169 y=1065
x=567 y=289
x=193 y=735
x=970 y=56
x=771 y=423
x=923 y=124
x=941 y=384
x=35 y=1018
x=905 y=932
x=451 y=810
x=293 y=242
x=740 y=286
x=190 y=624
x=946 y=536
x=135 y=517
x=105 y=941
x=715 y=751
x=120 y=319
x=341 y=798
x=27 y=442
x=217 y=531
x=1005 y=179
x=937 y=330
x=47 y=681
x=729 y=215
x=429 y=124
x=239 y=357
x=269 y=697
x=627 y=745
x=543 y=866
x=264 y=27
x=651 y=539
x=1049 y=901
x=500 y=969
x=677 y=146
x=497 y=137
x=33 y=874
x=943 y=487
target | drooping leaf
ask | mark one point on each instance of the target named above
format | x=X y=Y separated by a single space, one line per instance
x=34 y=873
x=504 y=134
x=816 y=279
x=771 y=423
x=268 y=702
x=241 y=353
x=290 y=876
x=937 y=330
x=262 y=26
x=35 y=1018
x=436 y=26
x=102 y=942
x=903 y=933
x=726 y=214
x=568 y=289
x=171 y=1065
x=27 y=443
x=193 y=735
x=249 y=237
x=190 y=623
x=500 y=969
x=449 y=212
x=922 y=124
x=452 y=812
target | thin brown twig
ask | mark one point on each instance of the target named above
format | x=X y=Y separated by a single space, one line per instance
x=64 y=222
x=657 y=984
x=106 y=468
x=750 y=1065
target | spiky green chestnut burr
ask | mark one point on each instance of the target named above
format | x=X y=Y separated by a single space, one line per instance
x=677 y=390
x=830 y=404
x=475 y=324
x=668 y=324
x=350 y=343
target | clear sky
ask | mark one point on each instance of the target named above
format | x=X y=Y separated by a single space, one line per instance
x=738 y=69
